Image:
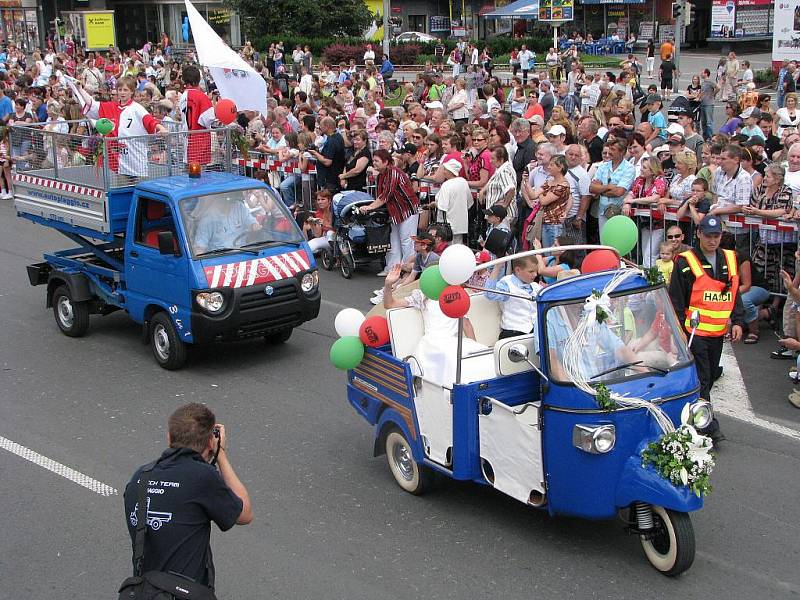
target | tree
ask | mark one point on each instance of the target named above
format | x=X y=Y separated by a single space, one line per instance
x=307 y=18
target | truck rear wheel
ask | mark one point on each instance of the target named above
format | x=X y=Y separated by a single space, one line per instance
x=72 y=317
x=168 y=349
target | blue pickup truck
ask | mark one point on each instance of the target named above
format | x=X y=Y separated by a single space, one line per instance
x=194 y=255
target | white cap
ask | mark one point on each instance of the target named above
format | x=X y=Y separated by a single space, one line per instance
x=675 y=128
x=557 y=130
x=434 y=104
x=453 y=166
x=747 y=113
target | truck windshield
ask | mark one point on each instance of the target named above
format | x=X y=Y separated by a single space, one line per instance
x=239 y=219
x=640 y=335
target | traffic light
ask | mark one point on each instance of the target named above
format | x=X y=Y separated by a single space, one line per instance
x=676 y=10
x=689 y=13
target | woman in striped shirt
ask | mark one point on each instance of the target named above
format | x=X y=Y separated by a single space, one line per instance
x=396 y=192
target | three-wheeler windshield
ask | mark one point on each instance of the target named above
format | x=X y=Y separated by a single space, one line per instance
x=238 y=220
x=640 y=335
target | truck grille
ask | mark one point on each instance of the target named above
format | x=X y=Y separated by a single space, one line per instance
x=263 y=326
x=258 y=299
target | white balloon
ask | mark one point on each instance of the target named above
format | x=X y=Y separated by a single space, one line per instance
x=348 y=322
x=457 y=264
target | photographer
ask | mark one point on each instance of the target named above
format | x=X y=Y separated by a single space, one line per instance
x=185 y=494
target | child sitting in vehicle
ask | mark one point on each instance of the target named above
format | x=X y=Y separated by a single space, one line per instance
x=516 y=293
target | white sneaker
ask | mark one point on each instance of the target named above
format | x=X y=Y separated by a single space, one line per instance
x=378 y=292
x=383 y=273
x=6 y=196
x=376 y=300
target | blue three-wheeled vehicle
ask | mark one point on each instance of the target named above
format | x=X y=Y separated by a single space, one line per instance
x=514 y=420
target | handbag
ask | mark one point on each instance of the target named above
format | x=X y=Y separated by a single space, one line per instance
x=156 y=585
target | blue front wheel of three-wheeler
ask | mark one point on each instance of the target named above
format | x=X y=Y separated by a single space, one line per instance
x=670 y=546
x=408 y=474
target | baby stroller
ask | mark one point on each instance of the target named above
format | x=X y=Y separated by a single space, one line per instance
x=360 y=239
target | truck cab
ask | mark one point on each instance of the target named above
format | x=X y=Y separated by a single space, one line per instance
x=194 y=257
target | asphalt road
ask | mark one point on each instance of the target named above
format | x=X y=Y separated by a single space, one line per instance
x=329 y=520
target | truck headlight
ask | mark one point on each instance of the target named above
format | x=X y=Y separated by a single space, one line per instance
x=309 y=282
x=594 y=439
x=211 y=302
x=701 y=414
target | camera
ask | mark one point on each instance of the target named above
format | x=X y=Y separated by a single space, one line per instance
x=215 y=431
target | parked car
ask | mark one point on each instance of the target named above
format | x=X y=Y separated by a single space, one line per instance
x=415 y=36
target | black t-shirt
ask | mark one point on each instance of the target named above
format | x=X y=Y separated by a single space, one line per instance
x=185 y=494
x=772 y=144
x=358 y=182
x=595 y=148
x=334 y=150
x=667 y=69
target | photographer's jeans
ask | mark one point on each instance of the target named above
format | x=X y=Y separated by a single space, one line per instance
x=751 y=300
x=288 y=189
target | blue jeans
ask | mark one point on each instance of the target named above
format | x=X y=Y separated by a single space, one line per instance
x=707 y=120
x=751 y=300
x=288 y=189
x=550 y=233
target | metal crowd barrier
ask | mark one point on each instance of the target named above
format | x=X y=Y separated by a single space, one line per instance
x=70 y=152
x=748 y=233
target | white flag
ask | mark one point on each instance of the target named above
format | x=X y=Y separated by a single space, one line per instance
x=235 y=78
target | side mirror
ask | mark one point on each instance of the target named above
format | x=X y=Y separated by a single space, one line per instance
x=167 y=244
x=694 y=319
x=518 y=353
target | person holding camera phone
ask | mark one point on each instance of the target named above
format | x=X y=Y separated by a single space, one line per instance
x=192 y=484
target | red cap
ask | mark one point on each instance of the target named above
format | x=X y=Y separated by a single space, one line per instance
x=482 y=257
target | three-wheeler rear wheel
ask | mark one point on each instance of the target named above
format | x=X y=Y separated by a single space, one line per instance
x=670 y=546
x=168 y=348
x=409 y=475
x=72 y=317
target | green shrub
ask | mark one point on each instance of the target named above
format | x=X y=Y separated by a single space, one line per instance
x=765 y=77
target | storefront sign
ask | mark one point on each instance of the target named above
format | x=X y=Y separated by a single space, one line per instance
x=741 y=18
x=99 y=29
x=786 y=36
x=556 y=10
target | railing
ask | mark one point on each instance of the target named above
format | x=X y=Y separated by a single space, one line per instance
x=770 y=243
x=66 y=152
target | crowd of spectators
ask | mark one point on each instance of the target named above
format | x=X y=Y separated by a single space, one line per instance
x=548 y=157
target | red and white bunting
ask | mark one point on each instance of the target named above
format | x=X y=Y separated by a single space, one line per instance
x=72 y=188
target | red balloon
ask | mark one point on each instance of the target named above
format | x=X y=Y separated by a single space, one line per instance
x=374 y=332
x=599 y=260
x=225 y=111
x=454 y=301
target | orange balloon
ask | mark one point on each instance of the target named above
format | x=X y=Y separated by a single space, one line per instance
x=225 y=111
x=599 y=260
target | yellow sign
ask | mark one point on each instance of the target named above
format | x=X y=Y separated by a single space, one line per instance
x=99 y=28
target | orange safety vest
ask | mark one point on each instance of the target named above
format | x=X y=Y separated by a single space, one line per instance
x=713 y=299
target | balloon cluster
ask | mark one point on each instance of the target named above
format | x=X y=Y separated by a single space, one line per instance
x=443 y=282
x=355 y=332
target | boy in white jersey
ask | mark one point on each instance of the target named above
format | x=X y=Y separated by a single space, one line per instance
x=518 y=306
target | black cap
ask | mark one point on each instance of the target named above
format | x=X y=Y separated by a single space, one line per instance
x=711 y=224
x=654 y=98
x=496 y=211
x=755 y=140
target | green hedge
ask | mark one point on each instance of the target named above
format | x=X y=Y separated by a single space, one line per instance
x=587 y=60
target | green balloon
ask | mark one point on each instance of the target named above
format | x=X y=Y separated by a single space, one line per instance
x=432 y=283
x=347 y=352
x=621 y=233
x=104 y=126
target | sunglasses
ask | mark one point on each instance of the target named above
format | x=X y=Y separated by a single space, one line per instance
x=675 y=237
x=478 y=139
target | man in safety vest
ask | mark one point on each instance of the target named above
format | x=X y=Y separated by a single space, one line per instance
x=706 y=280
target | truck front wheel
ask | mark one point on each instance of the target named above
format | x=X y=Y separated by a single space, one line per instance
x=72 y=317
x=168 y=349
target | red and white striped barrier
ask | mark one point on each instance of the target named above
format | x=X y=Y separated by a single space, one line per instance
x=72 y=188
x=732 y=221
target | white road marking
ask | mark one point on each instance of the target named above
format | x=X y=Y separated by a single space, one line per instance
x=64 y=471
x=730 y=397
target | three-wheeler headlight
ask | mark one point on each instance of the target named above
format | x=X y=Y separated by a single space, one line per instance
x=594 y=439
x=701 y=414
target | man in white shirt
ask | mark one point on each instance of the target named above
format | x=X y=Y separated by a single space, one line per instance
x=526 y=62
x=579 y=180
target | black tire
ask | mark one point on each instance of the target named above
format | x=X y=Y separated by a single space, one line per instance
x=671 y=547
x=72 y=317
x=409 y=475
x=347 y=265
x=279 y=337
x=326 y=259
x=168 y=348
